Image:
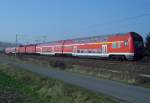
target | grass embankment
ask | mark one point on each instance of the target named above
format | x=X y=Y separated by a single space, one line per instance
x=125 y=73
x=19 y=86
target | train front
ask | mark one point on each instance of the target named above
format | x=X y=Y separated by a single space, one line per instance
x=138 y=46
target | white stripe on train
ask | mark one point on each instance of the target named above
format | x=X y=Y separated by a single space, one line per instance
x=88 y=54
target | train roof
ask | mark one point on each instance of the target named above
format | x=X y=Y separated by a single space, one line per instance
x=103 y=37
x=82 y=39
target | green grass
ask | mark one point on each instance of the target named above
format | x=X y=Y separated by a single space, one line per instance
x=36 y=89
x=11 y=90
x=128 y=77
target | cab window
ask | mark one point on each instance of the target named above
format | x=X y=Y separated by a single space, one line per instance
x=138 y=44
x=125 y=43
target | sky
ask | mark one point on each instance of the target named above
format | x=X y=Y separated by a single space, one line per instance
x=64 y=19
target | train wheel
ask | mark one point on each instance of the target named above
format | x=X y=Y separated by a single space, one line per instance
x=111 y=57
x=122 y=58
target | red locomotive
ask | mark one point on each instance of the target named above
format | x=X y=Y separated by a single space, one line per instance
x=121 y=46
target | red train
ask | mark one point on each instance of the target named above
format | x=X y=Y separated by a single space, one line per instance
x=128 y=46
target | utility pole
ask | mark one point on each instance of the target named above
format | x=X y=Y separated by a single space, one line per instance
x=16 y=39
x=44 y=38
x=36 y=41
x=16 y=44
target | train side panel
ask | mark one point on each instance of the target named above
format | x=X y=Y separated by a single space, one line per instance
x=90 y=46
x=30 y=49
x=10 y=50
x=45 y=49
x=51 y=48
x=68 y=47
x=7 y=51
x=21 y=49
x=58 y=47
x=121 y=46
x=91 y=49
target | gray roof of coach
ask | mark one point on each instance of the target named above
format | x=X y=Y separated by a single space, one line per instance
x=82 y=39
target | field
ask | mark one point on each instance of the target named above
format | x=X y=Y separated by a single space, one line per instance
x=19 y=86
x=134 y=73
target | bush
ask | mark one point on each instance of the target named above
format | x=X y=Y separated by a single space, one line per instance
x=57 y=64
x=142 y=80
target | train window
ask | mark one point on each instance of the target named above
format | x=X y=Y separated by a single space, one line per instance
x=114 y=45
x=100 y=50
x=138 y=44
x=125 y=43
x=119 y=45
x=89 y=51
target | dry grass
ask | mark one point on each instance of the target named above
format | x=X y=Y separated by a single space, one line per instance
x=127 y=73
x=45 y=90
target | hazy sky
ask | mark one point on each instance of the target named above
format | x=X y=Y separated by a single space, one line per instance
x=63 y=19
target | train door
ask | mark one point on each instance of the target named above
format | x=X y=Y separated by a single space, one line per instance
x=104 y=49
x=75 y=49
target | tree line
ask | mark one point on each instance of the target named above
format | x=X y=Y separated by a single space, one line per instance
x=147 y=45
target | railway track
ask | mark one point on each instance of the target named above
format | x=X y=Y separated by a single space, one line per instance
x=83 y=59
